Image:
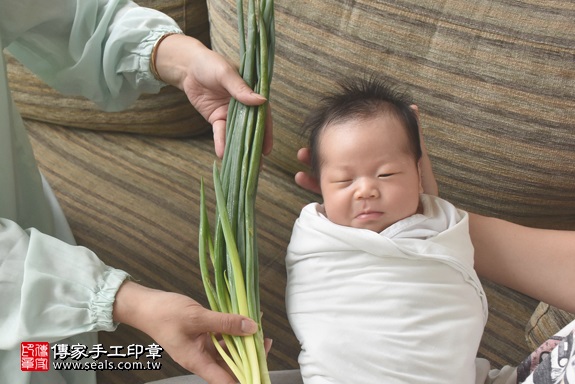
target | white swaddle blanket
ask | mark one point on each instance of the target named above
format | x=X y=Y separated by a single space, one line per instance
x=401 y=306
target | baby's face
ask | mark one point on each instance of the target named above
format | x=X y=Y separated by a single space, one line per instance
x=368 y=177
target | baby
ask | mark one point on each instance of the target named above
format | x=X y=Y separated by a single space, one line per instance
x=381 y=286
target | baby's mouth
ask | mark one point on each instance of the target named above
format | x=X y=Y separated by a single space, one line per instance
x=369 y=215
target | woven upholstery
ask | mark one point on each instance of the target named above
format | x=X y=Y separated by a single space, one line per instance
x=494 y=81
x=495 y=84
x=544 y=323
x=134 y=200
x=168 y=113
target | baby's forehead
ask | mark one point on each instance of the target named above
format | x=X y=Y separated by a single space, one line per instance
x=385 y=116
x=387 y=127
x=386 y=121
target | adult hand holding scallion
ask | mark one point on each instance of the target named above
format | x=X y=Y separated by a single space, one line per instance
x=228 y=258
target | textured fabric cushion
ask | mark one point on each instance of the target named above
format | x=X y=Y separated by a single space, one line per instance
x=134 y=200
x=495 y=85
x=545 y=322
x=168 y=113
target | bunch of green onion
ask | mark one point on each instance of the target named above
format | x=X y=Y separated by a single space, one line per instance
x=229 y=259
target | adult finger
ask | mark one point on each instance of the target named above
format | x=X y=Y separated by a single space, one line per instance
x=239 y=90
x=268 y=345
x=306 y=181
x=226 y=323
x=304 y=156
x=219 y=128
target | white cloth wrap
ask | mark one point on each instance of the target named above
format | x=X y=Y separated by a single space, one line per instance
x=401 y=306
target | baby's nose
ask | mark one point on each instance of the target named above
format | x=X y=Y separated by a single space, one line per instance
x=366 y=189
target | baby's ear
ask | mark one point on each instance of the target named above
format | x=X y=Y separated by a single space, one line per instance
x=420 y=176
x=416 y=111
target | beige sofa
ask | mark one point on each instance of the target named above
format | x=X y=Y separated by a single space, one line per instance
x=495 y=85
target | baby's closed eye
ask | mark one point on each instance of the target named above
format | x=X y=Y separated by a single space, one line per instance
x=342 y=181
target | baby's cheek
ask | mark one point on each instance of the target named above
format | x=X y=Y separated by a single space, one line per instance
x=337 y=205
x=338 y=215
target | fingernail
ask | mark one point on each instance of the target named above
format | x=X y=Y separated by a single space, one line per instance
x=249 y=326
x=258 y=96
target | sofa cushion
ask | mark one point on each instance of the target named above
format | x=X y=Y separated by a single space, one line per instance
x=495 y=85
x=134 y=201
x=544 y=323
x=168 y=113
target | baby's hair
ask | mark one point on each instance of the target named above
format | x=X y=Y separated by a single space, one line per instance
x=361 y=98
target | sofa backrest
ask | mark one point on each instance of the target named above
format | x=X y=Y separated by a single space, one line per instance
x=168 y=113
x=494 y=82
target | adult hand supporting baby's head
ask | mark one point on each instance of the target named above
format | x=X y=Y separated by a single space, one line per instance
x=305 y=179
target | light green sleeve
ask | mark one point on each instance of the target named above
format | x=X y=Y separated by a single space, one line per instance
x=97 y=49
x=50 y=290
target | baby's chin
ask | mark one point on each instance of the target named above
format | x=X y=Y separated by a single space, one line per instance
x=374 y=227
x=374 y=221
x=370 y=223
x=373 y=224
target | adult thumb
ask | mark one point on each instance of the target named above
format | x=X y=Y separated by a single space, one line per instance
x=230 y=324
x=240 y=91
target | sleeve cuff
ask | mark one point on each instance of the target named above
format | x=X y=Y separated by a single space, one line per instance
x=102 y=305
x=145 y=49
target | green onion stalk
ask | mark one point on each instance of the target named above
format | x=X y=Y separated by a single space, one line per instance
x=229 y=257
